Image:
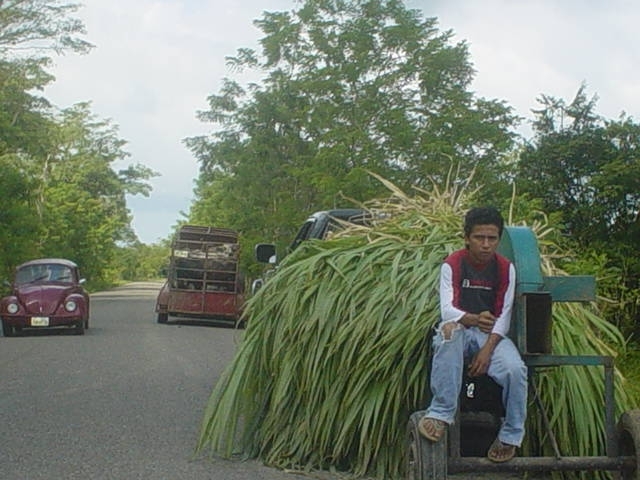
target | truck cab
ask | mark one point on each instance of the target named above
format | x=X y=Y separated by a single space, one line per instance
x=318 y=225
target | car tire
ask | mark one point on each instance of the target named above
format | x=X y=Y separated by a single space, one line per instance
x=80 y=328
x=163 y=317
x=7 y=329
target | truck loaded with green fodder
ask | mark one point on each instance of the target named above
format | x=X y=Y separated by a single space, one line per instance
x=336 y=354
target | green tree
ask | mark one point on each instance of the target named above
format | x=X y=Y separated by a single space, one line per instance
x=32 y=27
x=29 y=31
x=23 y=114
x=349 y=87
x=138 y=261
x=62 y=194
x=83 y=199
x=19 y=228
x=586 y=170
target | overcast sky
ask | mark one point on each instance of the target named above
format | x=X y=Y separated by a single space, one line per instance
x=156 y=61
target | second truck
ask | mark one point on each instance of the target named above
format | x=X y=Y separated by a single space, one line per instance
x=203 y=278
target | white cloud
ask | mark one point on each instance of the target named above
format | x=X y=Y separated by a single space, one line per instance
x=154 y=65
x=522 y=49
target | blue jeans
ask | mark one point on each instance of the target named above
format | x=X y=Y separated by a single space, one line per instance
x=506 y=368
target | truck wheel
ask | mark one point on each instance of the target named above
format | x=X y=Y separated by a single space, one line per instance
x=425 y=460
x=629 y=441
x=163 y=317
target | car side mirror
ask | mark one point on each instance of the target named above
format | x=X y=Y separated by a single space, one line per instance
x=266 y=253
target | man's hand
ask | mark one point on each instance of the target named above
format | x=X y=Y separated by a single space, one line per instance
x=480 y=363
x=486 y=321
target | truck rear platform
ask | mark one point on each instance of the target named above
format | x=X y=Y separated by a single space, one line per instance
x=203 y=281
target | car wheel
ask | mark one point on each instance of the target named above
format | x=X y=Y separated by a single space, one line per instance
x=7 y=329
x=80 y=328
x=163 y=317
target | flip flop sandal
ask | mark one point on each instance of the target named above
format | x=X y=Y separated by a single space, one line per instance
x=501 y=452
x=431 y=428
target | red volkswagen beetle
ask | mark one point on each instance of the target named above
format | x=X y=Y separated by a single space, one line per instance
x=47 y=293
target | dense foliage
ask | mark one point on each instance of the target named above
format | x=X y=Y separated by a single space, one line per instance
x=138 y=261
x=61 y=194
x=369 y=85
x=348 y=87
x=586 y=169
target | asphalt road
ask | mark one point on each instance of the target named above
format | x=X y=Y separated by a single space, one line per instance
x=123 y=402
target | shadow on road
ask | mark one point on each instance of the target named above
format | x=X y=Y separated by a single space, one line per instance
x=133 y=289
x=202 y=323
x=45 y=332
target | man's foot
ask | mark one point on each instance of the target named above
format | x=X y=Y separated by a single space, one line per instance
x=432 y=428
x=501 y=452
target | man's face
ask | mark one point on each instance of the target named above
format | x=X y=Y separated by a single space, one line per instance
x=482 y=242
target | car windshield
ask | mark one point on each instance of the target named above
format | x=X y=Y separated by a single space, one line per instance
x=44 y=273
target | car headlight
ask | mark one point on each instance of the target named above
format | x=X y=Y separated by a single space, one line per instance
x=70 y=305
x=12 y=308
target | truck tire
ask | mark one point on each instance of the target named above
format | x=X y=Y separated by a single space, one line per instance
x=629 y=441
x=425 y=460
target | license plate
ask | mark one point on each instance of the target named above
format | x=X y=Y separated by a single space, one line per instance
x=39 y=321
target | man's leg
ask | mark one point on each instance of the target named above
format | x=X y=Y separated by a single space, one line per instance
x=446 y=371
x=510 y=372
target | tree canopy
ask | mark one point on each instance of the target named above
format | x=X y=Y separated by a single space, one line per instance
x=348 y=87
x=61 y=195
x=585 y=169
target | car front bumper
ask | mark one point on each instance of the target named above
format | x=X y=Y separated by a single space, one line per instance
x=21 y=321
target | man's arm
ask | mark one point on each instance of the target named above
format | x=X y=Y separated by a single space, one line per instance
x=449 y=313
x=503 y=322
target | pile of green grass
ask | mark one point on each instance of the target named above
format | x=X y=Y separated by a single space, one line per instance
x=335 y=353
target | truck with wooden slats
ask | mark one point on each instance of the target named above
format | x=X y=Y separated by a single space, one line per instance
x=203 y=278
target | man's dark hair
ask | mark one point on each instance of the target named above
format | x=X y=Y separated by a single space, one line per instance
x=483 y=216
